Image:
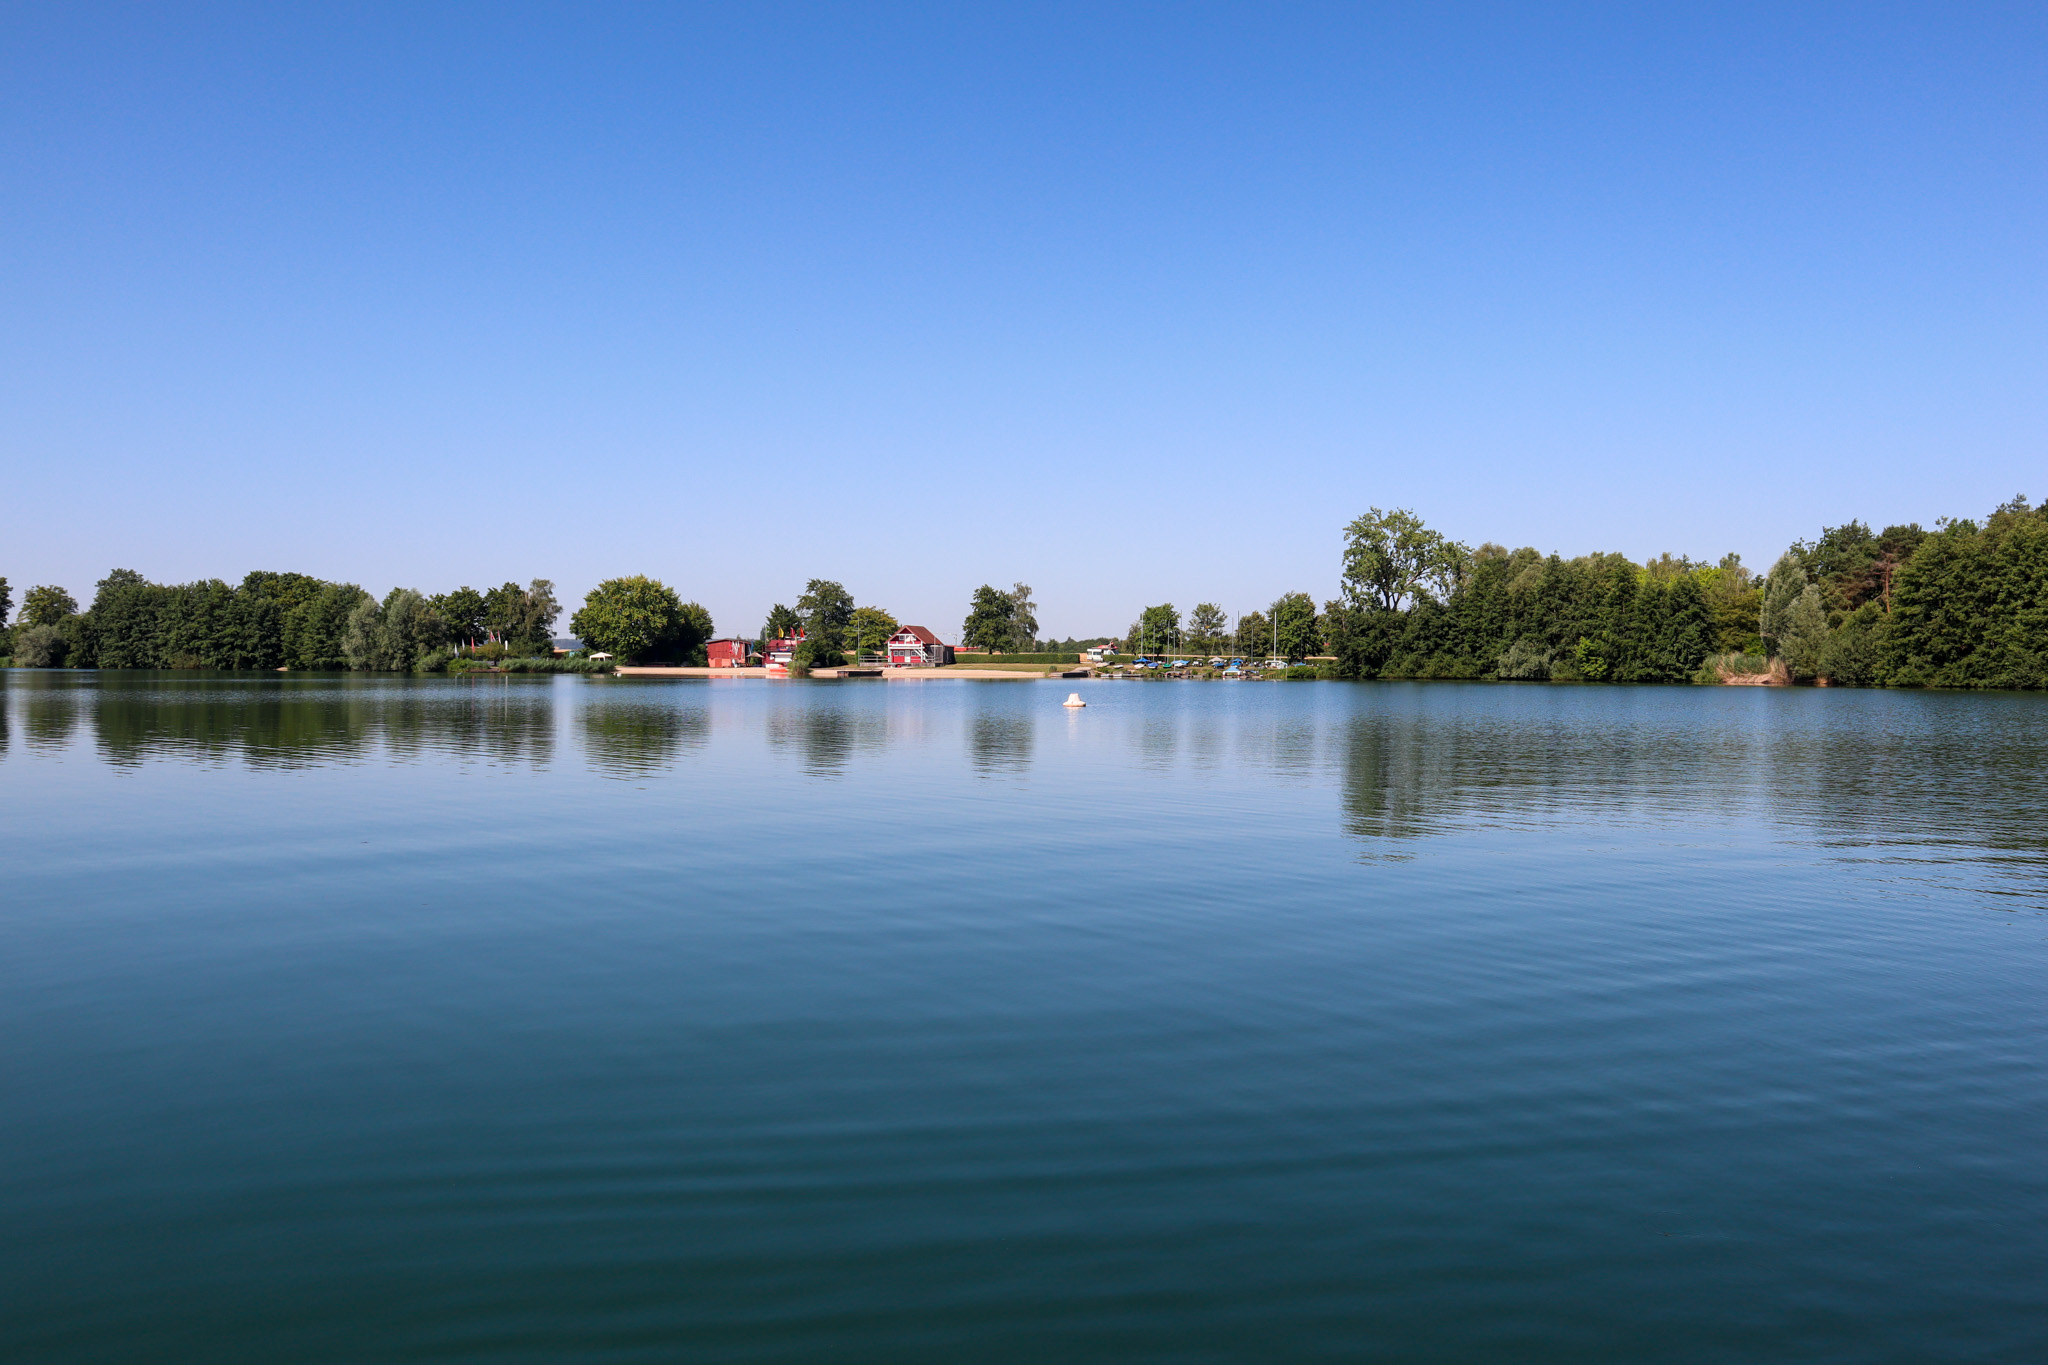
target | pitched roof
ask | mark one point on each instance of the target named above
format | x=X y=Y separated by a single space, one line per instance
x=922 y=635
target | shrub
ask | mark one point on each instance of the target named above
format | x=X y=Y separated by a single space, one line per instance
x=40 y=647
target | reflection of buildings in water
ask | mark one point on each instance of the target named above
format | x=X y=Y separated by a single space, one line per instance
x=999 y=742
x=632 y=736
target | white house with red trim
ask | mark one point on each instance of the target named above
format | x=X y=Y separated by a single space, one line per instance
x=916 y=647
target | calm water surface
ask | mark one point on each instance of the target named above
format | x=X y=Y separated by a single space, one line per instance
x=383 y=1020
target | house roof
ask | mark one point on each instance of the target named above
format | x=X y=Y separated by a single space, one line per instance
x=918 y=633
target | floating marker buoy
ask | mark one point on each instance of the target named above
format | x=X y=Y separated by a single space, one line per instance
x=1073 y=699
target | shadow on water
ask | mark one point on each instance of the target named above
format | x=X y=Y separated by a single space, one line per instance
x=635 y=736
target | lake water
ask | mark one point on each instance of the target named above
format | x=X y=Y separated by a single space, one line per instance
x=545 y=1020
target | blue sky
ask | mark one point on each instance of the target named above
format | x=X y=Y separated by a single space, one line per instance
x=1133 y=303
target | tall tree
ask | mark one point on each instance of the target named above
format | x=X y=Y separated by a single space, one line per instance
x=781 y=624
x=639 y=618
x=6 y=602
x=1783 y=587
x=1391 y=558
x=1157 y=628
x=826 y=609
x=990 y=620
x=870 y=629
x=465 y=612
x=1205 y=626
x=1254 y=634
x=1294 y=620
x=45 y=605
x=1023 y=618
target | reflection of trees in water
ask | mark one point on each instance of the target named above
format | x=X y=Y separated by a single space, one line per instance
x=826 y=735
x=295 y=721
x=1000 y=743
x=1863 y=769
x=632 y=736
x=491 y=718
x=48 y=705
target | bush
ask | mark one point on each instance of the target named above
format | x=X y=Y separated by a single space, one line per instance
x=40 y=647
x=1855 y=654
x=1039 y=658
x=1524 y=660
x=813 y=654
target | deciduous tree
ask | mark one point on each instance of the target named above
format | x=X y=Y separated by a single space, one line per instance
x=990 y=618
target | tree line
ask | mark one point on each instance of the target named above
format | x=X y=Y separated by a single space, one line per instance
x=274 y=620
x=1963 y=605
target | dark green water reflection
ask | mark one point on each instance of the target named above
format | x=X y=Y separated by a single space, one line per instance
x=371 y=1020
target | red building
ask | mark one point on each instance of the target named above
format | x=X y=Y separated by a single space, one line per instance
x=780 y=650
x=916 y=647
x=731 y=653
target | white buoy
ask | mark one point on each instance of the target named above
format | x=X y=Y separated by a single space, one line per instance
x=1073 y=699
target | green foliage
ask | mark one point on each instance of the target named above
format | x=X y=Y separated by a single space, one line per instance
x=640 y=619
x=472 y=664
x=990 y=620
x=464 y=611
x=1971 y=605
x=1023 y=618
x=523 y=618
x=1391 y=559
x=6 y=602
x=826 y=609
x=44 y=605
x=1254 y=635
x=1525 y=659
x=869 y=629
x=1856 y=654
x=813 y=654
x=1783 y=587
x=40 y=647
x=1294 y=618
x=781 y=624
x=1206 y=625
x=1803 y=634
x=1157 y=628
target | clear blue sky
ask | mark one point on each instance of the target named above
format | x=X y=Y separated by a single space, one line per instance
x=1133 y=303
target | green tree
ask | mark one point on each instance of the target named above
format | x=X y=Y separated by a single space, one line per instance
x=639 y=618
x=6 y=602
x=990 y=617
x=827 y=610
x=40 y=646
x=1391 y=558
x=465 y=612
x=363 y=644
x=1206 y=625
x=1023 y=618
x=1294 y=617
x=1787 y=580
x=522 y=618
x=1803 y=634
x=870 y=629
x=1254 y=634
x=45 y=605
x=1856 y=652
x=781 y=624
x=1157 y=628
